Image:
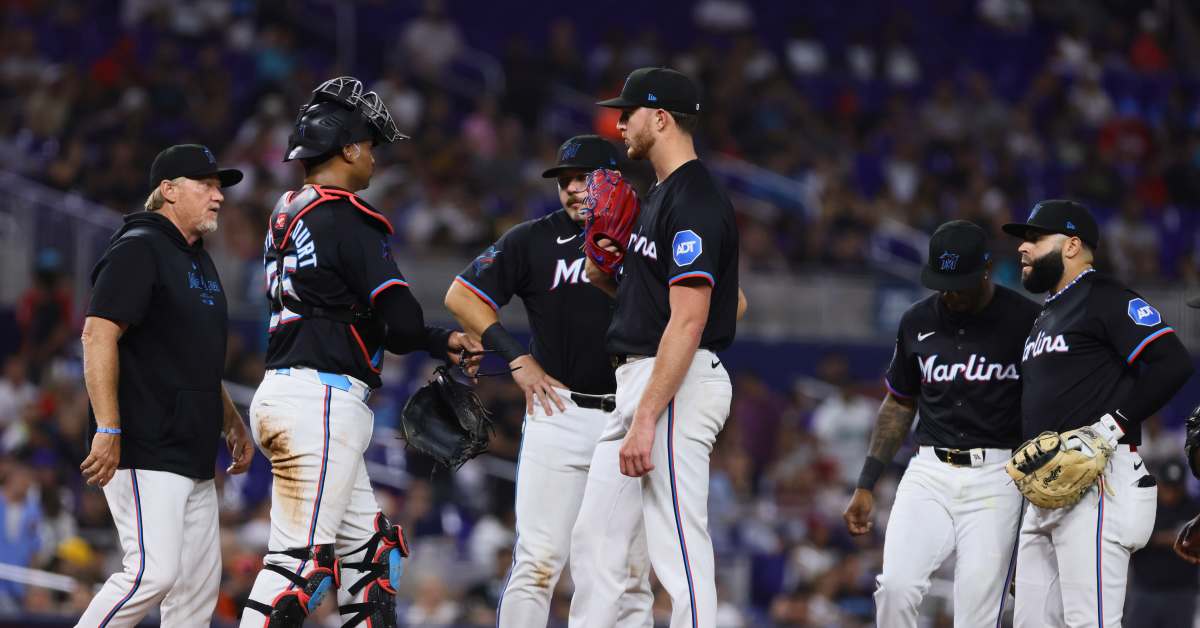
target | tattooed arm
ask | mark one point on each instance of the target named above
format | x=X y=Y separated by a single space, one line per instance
x=895 y=420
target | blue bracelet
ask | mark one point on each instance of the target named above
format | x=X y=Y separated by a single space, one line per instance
x=108 y=430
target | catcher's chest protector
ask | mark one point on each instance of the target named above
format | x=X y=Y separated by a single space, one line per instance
x=288 y=249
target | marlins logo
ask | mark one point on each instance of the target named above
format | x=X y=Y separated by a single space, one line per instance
x=949 y=260
x=485 y=259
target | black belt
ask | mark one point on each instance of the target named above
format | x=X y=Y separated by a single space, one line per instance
x=621 y=358
x=954 y=456
x=604 y=403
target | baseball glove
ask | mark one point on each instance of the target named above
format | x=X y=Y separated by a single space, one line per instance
x=1055 y=470
x=1192 y=442
x=446 y=421
x=612 y=209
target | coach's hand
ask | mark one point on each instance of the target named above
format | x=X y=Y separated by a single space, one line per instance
x=636 y=449
x=101 y=462
x=537 y=384
x=858 y=513
x=1188 y=543
x=241 y=449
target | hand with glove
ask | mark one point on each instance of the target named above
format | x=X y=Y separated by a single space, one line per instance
x=1056 y=470
x=611 y=210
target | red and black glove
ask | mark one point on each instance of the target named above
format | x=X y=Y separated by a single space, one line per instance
x=612 y=209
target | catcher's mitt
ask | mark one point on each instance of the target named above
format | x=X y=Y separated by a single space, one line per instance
x=612 y=209
x=446 y=421
x=1193 y=440
x=1051 y=473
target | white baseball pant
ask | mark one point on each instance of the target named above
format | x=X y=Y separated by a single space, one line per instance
x=556 y=453
x=314 y=428
x=940 y=509
x=675 y=494
x=1073 y=563
x=169 y=533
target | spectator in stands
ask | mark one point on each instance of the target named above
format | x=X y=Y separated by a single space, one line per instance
x=432 y=604
x=843 y=421
x=44 y=313
x=430 y=42
x=1132 y=243
x=16 y=391
x=20 y=514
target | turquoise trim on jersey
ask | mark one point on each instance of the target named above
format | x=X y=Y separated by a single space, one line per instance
x=691 y=274
x=385 y=285
x=1149 y=339
x=479 y=293
x=137 y=581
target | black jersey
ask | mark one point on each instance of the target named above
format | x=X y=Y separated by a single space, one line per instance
x=1079 y=359
x=172 y=354
x=686 y=230
x=342 y=261
x=964 y=370
x=541 y=262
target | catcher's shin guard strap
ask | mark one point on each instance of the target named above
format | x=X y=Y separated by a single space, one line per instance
x=496 y=337
x=382 y=565
x=290 y=607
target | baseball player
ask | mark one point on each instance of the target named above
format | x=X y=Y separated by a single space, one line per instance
x=569 y=392
x=1098 y=356
x=337 y=302
x=957 y=362
x=153 y=354
x=677 y=304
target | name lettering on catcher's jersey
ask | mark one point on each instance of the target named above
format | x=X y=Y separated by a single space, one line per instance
x=643 y=245
x=1044 y=343
x=976 y=369
x=571 y=273
x=306 y=246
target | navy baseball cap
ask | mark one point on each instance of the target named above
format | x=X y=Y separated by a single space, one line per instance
x=193 y=161
x=958 y=257
x=1059 y=216
x=584 y=152
x=657 y=88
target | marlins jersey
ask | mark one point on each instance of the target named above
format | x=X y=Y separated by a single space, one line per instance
x=963 y=370
x=1079 y=359
x=327 y=259
x=686 y=231
x=541 y=261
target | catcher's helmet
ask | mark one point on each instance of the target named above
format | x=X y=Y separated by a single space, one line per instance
x=338 y=114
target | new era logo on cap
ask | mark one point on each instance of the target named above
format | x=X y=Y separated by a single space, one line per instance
x=1070 y=225
x=651 y=97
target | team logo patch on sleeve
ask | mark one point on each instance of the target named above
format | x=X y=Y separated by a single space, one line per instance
x=686 y=247
x=485 y=259
x=1143 y=313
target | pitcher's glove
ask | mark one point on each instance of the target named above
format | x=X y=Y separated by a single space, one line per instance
x=446 y=421
x=1193 y=440
x=612 y=209
x=1055 y=470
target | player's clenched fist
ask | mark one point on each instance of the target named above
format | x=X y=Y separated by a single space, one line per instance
x=858 y=512
x=636 y=448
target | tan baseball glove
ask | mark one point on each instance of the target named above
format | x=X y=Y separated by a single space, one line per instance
x=1055 y=470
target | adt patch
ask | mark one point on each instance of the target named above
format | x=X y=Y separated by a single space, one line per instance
x=1143 y=313
x=686 y=247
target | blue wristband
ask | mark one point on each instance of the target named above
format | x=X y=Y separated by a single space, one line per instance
x=108 y=430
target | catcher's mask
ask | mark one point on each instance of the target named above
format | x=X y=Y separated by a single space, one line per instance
x=340 y=113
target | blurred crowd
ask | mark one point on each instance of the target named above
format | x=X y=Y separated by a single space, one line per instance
x=885 y=121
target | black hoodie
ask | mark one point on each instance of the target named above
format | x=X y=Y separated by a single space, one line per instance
x=173 y=352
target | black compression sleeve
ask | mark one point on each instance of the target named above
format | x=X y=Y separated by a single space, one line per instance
x=1164 y=367
x=405 y=323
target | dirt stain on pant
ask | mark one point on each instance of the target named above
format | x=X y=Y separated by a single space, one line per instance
x=288 y=490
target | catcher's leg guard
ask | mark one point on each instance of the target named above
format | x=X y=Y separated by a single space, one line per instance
x=290 y=607
x=381 y=565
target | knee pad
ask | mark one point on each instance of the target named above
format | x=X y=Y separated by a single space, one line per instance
x=381 y=565
x=322 y=574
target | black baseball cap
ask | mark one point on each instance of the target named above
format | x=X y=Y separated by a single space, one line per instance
x=584 y=152
x=193 y=161
x=657 y=88
x=1059 y=216
x=958 y=257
